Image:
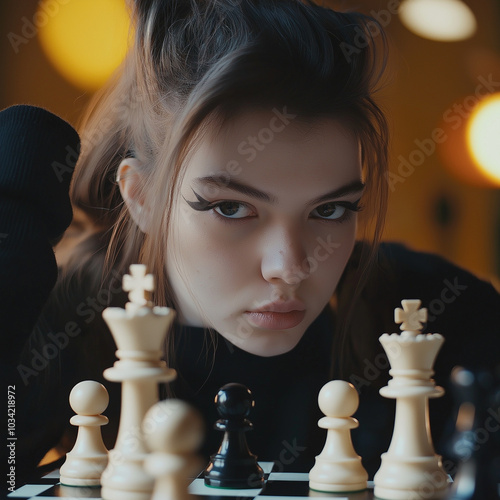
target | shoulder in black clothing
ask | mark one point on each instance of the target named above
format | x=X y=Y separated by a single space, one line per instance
x=69 y=343
x=39 y=152
x=461 y=307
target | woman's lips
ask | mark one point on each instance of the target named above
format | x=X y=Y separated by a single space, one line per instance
x=274 y=320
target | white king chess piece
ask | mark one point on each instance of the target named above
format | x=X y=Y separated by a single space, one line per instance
x=139 y=331
x=410 y=469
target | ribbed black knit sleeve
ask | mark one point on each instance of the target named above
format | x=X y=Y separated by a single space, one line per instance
x=38 y=152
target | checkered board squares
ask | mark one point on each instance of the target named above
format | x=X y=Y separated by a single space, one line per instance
x=49 y=487
x=278 y=486
x=198 y=487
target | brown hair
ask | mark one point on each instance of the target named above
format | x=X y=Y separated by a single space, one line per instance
x=196 y=64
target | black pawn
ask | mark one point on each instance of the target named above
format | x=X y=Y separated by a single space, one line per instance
x=234 y=466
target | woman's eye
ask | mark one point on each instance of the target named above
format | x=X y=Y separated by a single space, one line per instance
x=232 y=210
x=329 y=211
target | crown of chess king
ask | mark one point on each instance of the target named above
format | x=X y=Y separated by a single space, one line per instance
x=412 y=353
x=139 y=316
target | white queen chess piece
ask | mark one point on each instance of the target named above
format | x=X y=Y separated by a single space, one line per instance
x=410 y=469
x=139 y=331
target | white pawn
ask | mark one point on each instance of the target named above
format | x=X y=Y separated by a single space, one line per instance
x=173 y=431
x=86 y=461
x=338 y=468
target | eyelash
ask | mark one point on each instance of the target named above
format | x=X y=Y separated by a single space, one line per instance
x=202 y=205
x=351 y=209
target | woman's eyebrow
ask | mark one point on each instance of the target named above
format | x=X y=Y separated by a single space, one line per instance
x=225 y=182
x=353 y=187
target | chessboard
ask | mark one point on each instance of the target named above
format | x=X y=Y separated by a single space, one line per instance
x=277 y=486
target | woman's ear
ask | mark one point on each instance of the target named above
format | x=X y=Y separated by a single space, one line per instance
x=131 y=183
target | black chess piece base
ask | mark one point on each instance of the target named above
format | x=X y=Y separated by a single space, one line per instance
x=234 y=466
x=239 y=473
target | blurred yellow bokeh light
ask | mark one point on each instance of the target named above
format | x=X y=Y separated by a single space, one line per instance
x=441 y=20
x=483 y=136
x=85 y=40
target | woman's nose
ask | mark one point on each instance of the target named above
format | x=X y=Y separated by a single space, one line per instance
x=284 y=256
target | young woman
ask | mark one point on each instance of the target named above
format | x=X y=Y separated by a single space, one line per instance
x=240 y=154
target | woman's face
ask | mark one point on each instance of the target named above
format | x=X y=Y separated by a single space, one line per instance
x=263 y=227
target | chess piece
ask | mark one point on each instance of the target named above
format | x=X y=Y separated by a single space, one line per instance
x=234 y=466
x=338 y=468
x=476 y=443
x=86 y=461
x=138 y=331
x=173 y=431
x=410 y=469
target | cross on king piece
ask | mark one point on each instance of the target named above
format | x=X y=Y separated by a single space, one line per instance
x=411 y=317
x=137 y=283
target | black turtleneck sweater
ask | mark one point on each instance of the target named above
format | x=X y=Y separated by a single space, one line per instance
x=285 y=389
